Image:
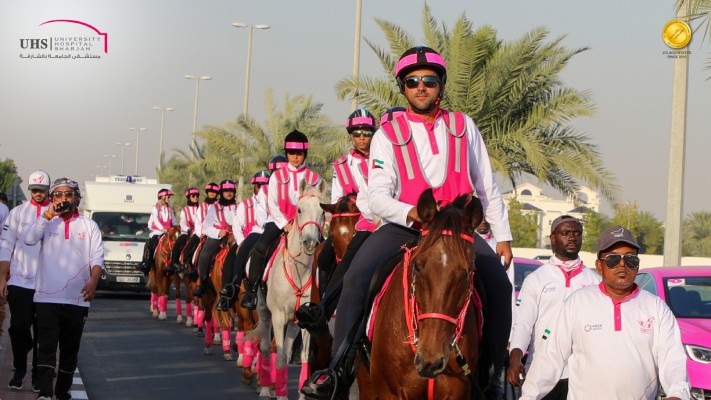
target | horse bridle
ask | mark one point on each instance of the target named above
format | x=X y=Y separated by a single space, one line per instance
x=301 y=227
x=412 y=315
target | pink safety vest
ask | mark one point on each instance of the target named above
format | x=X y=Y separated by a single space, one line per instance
x=412 y=180
x=250 y=221
x=203 y=210
x=344 y=175
x=166 y=223
x=221 y=224
x=284 y=176
x=189 y=217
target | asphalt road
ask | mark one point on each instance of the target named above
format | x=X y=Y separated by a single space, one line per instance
x=126 y=354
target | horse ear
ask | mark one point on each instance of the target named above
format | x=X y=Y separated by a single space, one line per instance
x=321 y=188
x=473 y=212
x=328 y=207
x=302 y=186
x=426 y=207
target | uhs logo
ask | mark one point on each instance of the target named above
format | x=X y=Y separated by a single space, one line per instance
x=33 y=43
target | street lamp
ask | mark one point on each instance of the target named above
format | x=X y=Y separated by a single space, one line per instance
x=162 y=123
x=123 y=147
x=356 y=48
x=110 y=156
x=197 y=95
x=249 y=58
x=137 y=130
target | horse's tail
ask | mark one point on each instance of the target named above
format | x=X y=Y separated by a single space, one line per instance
x=256 y=332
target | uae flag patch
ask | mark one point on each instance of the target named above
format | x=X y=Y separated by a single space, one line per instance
x=377 y=163
x=546 y=333
x=518 y=302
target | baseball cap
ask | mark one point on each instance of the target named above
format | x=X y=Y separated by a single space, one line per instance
x=563 y=218
x=39 y=180
x=64 y=182
x=614 y=235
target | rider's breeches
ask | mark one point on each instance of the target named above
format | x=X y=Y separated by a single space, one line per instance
x=228 y=265
x=497 y=311
x=335 y=281
x=178 y=247
x=326 y=263
x=190 y=248
x=237 y=273
x=377 y=248
x=150 y=249
x=259 y=256
x=209 y=249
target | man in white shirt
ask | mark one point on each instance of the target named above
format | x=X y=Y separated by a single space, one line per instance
x=19 y=261
x=619 y=342
x=70 y=264
x=542 y=295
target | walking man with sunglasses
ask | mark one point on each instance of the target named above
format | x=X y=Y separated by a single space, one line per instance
x=426 y=147
x=18 y=261
x=542 y=296
x=619 y=342
x=70 y=263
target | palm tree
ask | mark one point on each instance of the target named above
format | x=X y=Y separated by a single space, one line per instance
x=697 y=234
x=243 y=147
x=513 y=92
x=699 y=11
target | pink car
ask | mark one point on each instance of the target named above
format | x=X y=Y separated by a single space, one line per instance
x=687 y=291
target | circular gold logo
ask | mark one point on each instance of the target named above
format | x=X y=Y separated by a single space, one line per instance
x=676 y=34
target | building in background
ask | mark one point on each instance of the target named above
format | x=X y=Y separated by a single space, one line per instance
x=546 y=208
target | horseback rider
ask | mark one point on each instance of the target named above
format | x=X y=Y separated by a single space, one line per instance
x=248 y=225
x=187 y=227
x=282 y=197
x=161 y=219
x=350 y=176
x=392 y=113
x=216 y=226
x=211 y=191
x=427 y=147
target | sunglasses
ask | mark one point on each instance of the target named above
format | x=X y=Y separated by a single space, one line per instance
x=430 y=81
x=65 y=195
x=360 y=133
x=613 y=260
x=295 y=153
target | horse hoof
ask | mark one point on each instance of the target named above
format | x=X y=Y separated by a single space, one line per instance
x=207 y=351
x=189 y=322
x=240 y=360
x=196 y=329
x=264 y=394
x=155 y=313
x=200 y=333
x=248 y=380
x=227 y=357
x=217 y=339
x=179 y=319
x=162 y=315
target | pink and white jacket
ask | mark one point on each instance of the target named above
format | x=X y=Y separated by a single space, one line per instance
x=250 y=217
x=23 y=258
x=350 y=175
x=218 y=218
x=69 y=250
x=409 y=155
x=162 y=217
x=283 y=194
x=200 y=215
x=187 y=219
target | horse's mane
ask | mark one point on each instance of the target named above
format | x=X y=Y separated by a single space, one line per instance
x=342 y=205
x=449 y=218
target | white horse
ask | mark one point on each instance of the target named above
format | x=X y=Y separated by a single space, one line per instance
x=289 y=285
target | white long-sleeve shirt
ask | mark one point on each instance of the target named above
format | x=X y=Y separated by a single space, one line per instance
x=541 y=298
x=188 y=214
x=240 y=218
x=69 y=250
x=353 y=164
x=160 y=213
x=383 y=187
x=275 y=213
x=614 y=349
x=23 y=258
x=210 y=226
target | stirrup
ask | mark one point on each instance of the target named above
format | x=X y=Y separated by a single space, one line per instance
x=321 y=385
x=223 y=304
x=249 y=301
x=310 y=316
x=199 y=291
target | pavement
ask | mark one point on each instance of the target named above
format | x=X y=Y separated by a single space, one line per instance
x=6 y=371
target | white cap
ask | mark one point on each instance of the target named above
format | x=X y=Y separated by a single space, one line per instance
x=39 y=180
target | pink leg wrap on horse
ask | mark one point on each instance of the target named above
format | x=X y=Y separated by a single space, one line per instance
x=200 y=319
x=208 y=333
x=248 y=357
x=188 y=310
x=239 y=340
x=225 y=340
x=282 y=376
x=273 y=371
x=304 y=374
x=196 y=310
x=154 y=301
x=265 y=376
x=178 y=307
x=163 y=303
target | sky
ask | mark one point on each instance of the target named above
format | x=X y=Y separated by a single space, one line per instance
x=64 y=115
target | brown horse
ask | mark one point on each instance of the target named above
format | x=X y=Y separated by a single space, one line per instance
x=160 y=281
x=176 y=279
x=247 y=347
x=426 y=313
x=217 y=321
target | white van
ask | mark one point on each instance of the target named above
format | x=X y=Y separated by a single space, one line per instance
x=121 y=206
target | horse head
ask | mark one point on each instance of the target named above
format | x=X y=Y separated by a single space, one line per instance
x=344 y=215
x=309 y=216
x=441 y=277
